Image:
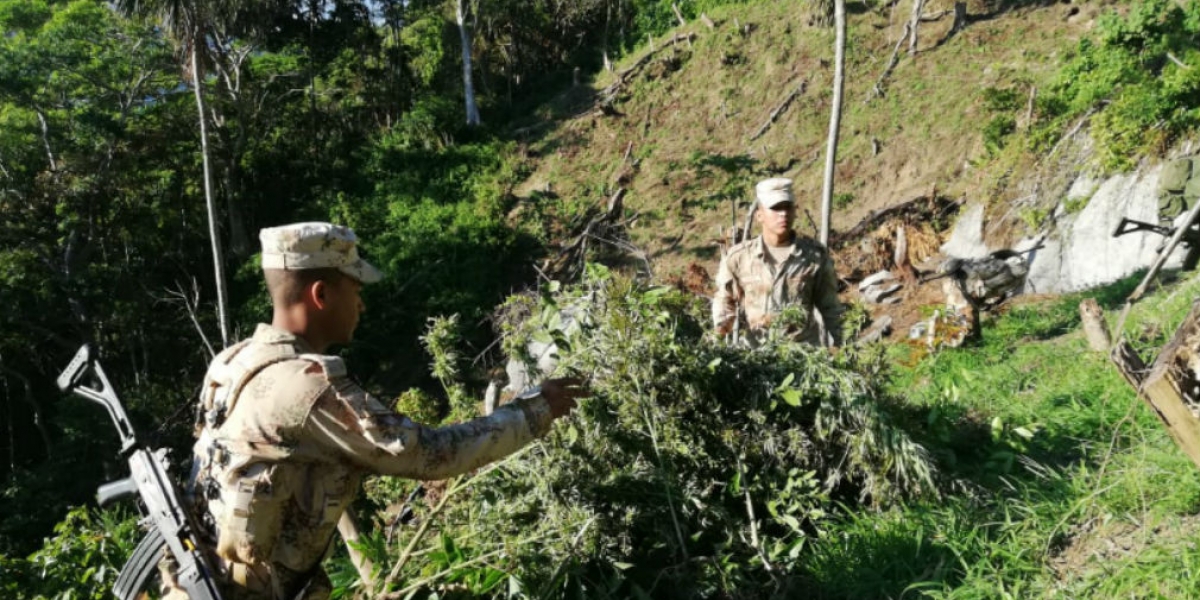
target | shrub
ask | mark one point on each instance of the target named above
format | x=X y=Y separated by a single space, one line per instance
x=696 y=470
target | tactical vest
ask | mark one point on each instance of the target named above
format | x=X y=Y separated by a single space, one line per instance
x=242 y=486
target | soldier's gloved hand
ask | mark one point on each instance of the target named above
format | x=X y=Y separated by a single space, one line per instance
x=562 y=393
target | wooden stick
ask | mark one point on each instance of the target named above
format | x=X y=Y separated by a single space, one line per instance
x=877 y=89
x=779 y=109
x=348 y=528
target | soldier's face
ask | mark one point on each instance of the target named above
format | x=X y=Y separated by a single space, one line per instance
x=344 y=301
x=778 y=219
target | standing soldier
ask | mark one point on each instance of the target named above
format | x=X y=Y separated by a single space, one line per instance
x=286 y=437
x=778 y=269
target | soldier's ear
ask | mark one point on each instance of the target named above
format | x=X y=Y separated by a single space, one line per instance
x=316 y=294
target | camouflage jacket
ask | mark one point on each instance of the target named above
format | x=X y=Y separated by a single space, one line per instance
x=285 y=442
x=807 y=279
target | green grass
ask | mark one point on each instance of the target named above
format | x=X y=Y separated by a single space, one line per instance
x=1061 y=483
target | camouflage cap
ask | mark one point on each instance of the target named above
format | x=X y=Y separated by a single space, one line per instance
x=315 y=246
x=775 y=191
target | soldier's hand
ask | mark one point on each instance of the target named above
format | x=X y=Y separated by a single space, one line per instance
x=562 y=393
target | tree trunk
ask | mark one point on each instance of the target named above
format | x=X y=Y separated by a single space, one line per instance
x=468 y=86
x=218 y=260
x=835 y=116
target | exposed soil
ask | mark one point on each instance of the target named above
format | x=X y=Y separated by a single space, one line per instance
x=1092 y=547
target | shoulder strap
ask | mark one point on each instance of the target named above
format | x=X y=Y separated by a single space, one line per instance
x=236 y=390
x=334 y=366
x=227 y=378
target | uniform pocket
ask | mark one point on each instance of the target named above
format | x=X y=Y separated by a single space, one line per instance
x=249 y=521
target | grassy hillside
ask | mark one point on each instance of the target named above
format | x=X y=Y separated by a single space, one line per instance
x=1070 y=486
x=679 y=133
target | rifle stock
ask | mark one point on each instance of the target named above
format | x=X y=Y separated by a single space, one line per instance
x=170 y=519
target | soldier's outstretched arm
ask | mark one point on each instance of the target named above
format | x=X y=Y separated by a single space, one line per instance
x=351 y=423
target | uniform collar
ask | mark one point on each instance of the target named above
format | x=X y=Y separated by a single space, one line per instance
x=760 y=245
x=269 y=334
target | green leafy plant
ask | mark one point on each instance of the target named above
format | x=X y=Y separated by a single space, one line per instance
x=83 y=558
x=997 y=131
x=688 y=448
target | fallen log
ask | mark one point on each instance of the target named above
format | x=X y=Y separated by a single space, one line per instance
x=877 y=90
x=609 y=94
x=779 y=109
x=1171 y=386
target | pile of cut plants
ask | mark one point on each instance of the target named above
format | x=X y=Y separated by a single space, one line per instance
x=697 y=469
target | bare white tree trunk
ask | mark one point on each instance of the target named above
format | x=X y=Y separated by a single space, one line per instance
x=835 y=116
x=218 y=261
x=468 y=86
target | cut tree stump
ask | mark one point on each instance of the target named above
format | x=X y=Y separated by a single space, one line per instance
x=1093 y=325
x=1170 y=386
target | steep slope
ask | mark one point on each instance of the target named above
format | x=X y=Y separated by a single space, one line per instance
x=680 y=132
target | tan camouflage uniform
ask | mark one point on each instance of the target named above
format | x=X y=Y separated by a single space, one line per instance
x=806 y=278
x=296 y=439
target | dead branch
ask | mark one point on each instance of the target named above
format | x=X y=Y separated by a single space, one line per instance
x=918 y=6
x=1176 y=60
x=607 y=228
x=190 y=302
x=1075 y=129
x=1029 y=107
x=1168 y=387
x=39 y=415
x=1131 y=366
x=609 y=94
x=707 y=21
x=678 y=15
x=877 y=89
x=750 y=220
x=935 y=16
x=779 y=109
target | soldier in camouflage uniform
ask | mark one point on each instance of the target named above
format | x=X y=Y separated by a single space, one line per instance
x=778 y=269
x=287 y=437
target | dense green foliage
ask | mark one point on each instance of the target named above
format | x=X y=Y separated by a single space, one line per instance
x=345 y=110
x=697 y=469
x=1138 y=75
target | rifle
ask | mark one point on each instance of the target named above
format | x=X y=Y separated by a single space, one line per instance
x=1191 y=238
x=171 y=525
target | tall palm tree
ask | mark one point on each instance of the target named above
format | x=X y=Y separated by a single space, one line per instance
x=185 y=21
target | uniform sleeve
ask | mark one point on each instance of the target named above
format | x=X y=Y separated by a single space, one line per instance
x=349 y=422
x=724 y=307
x=825 y=298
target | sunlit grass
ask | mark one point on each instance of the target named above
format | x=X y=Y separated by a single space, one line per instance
x=1064 y=484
